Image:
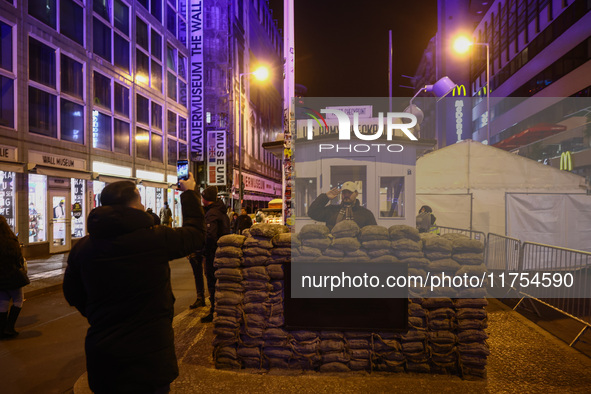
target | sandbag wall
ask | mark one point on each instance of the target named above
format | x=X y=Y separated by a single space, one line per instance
x=446 y=334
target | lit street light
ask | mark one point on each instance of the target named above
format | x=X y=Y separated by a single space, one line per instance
x=462 y=45
x=261 y=74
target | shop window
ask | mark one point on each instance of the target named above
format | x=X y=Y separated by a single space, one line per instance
x=156 y=116
x=102 y=90
x=142 y=143
x=44 y=10
x=101 y=130
x=42 y=112
x=37 y=208
x=72 y=121
x=7 y=198
x=306 y=193
x=121 y=136
x=391 y=199
x=78 y=208
x=72 y=77
x=71 y=20
x=42 y=65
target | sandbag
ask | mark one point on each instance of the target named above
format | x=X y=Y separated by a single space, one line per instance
x=255 y=296
x=229 y=274
x=346 y=244
x=334 y=367
x=230 y=286
x=318 y=243
x=283 y=240
x=255 y=273
x=345 y=229
x=378 y=244
x=228 y=251
x=401 y=231
x=406 y=245
x=437 y=244
x=465 y=245
x=227 y=298
x=275 y=271
x=256 y=285
x=311 y=231
x=373 y=233
x=253 y=261
x=448 y=266
x=267 y=230
x=226 y=262
x=234 y=240
x=258 y=242
x=334 y=252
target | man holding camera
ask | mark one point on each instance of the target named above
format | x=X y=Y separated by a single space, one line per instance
x=118 y=277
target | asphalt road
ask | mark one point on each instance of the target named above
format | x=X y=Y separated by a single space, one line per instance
x=48 y=355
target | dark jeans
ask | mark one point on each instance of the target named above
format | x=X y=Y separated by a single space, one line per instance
x=197 y=265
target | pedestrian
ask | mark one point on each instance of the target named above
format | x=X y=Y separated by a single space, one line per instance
x=348 y=209
x=233 y=222
x=243 y=221
x=260 y=217
x=426 y=220
x=13 y=277
x=230 y=213
x=154 y=216
x=118 y=277
x=217 y=224
x=166 y=215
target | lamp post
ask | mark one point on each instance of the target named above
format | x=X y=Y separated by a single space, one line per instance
x=462 y=45
x=261 y=73
x=441 y=88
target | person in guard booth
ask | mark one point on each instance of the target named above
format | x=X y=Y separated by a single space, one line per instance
x=426 y=220
x=349 y=208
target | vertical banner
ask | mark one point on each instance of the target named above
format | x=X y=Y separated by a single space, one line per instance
x=7 y=197
x=78 y=189
x=216 y=157
x=197 y=108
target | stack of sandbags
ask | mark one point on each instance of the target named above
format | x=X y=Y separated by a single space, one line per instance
x=438 y=251
x=469 y=253
x=387 y=353
x=228 y=300
x=375 y=241
x=472 y=320
x=360 y=350
x=441 y=322
x=306 y=354
x=345 y=241
x=277 y=350
x=415 y=350
x=335 y=357
x=407 y=247
x=314 y=241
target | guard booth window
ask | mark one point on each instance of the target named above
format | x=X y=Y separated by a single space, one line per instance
x=392 y=197
x=306 y=193
x=356 y=174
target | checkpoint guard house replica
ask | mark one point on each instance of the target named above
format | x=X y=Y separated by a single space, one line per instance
x=383 y=169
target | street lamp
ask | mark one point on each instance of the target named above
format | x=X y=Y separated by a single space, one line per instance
x=261 y=74
x=462 y=45
x=441 y=88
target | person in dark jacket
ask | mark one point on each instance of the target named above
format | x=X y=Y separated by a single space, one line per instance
x=348 y=209
x=242 y=222
x=13 y=277
x=233 y=222
x=217 y=224
x=156 y=217
x=118 y=277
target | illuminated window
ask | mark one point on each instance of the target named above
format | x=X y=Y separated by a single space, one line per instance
x=37 y=207
x=391 y=199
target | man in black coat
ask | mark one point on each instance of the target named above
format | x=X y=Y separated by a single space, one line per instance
x=243 y=222
x=348 y=209
x=118 y=277
x=217 y=224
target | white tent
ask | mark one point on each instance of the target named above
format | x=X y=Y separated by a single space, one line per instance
x=474 y=186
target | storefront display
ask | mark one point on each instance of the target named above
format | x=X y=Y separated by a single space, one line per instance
x=37 y=207
x=78 y=208
x=97 y=188
x=7 y=198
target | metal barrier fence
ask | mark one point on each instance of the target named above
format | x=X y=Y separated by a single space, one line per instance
x=502 y=253
x=554 y=259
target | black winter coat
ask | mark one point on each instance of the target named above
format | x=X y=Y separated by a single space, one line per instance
x=217 y=223
x=321 y=212
x=118 y=277
x=242 y=222
x=12 y=271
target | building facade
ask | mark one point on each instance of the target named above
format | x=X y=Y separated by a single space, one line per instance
x=539 y=50
x=91 y=92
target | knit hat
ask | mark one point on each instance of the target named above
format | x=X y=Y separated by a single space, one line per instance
x=210 y=193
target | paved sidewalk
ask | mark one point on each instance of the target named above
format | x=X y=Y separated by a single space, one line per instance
x=524 y=359
x=46 y=274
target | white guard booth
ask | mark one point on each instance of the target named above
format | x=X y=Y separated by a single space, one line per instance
x=386 y=177
x=479 y=187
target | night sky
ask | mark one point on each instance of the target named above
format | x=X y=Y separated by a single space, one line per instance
x=342 y=45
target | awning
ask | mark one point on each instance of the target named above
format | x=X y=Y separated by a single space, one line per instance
x=159 y=185
x=111 y=179
x=59 y=172
x=529 y=135
x=12 y=167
